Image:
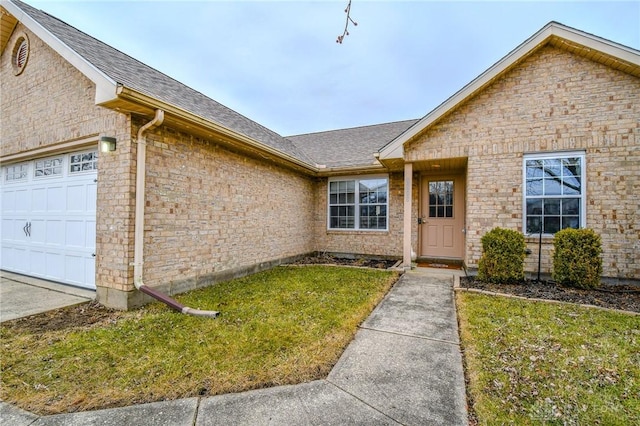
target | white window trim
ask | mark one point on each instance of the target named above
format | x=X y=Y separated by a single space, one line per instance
x=357 y=204
x=555 y=155
x=62 y=166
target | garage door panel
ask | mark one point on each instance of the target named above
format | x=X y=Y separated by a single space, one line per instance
x=8 y=201
x=22 y=201
x=38 y=231
x=77 y=198
x=16 y=257
x=15 y=230
x=38 y=200
x=56 y=199
x=55 y=265
x=38 y=262
x=76 y=234
x=92 y=197
x=55 y=232
x=75 y=266
x=90 y=229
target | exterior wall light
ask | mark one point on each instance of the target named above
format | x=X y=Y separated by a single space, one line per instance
x=107 y=144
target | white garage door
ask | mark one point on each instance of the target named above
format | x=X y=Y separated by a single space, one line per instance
x=49 y=218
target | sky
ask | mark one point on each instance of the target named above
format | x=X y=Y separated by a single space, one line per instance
x=278 y=63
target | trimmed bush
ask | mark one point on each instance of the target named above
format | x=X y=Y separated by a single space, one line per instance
x=576 y=258
x=502 y=260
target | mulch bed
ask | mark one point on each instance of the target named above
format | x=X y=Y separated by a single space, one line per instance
x=342 y=261
x=623 y=297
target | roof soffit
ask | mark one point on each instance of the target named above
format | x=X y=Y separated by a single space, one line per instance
x=7 y=23
x=612 y=54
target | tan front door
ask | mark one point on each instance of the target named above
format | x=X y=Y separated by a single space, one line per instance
x=442 y=217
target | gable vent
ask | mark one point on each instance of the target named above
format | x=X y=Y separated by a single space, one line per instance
x=20 y=55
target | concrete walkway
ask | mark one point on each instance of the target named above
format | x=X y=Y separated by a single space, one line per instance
x=404 y=367
x=21 y=296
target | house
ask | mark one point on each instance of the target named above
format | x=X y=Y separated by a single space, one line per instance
x=114 y=173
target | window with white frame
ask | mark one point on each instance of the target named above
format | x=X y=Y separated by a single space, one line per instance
x=554 y=192
x=83 y=162
x=48 y=167
x=359 y=204
x=16 y=172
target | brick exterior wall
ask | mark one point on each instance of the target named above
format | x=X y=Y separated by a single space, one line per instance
x=49 y=102
x=210 y=210
x=553 y=101
x=378 y=243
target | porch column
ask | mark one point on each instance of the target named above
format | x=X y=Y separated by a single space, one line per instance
x=408 y=185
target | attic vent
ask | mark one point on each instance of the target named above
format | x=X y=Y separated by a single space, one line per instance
x=20 y=55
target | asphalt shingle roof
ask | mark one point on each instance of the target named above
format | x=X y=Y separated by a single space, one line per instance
x=349 y=147
x=134 y=74
x=337 y=148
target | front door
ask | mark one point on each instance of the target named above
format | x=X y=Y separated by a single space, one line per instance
x=442 y=217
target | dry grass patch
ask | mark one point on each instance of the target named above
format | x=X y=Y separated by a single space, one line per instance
x=542 y=363
x=284 y=326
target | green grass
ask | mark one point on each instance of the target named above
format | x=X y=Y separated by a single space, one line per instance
x=284 y=326
x=542 y=363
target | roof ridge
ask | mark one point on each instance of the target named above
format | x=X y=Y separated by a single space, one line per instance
x=353 y=128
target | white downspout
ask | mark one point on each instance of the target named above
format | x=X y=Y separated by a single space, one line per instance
x=138 y=251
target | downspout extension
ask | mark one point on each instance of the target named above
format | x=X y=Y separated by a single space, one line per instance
x=138 y=256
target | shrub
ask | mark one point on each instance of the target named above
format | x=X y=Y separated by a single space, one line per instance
x=502 y=259
x=576 y=258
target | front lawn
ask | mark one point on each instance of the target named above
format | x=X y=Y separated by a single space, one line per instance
x=284 y=326
x=541 y=363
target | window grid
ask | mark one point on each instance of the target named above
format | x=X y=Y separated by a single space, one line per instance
x=16 y=172
x=84 y=162
x=358 y=204
x=48 y=167
x=441 y=199
x=553 y=193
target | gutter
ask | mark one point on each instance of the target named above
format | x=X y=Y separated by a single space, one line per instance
x=138 y=256
x=140 y=98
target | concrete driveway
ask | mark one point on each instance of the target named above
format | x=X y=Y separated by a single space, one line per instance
x=22 y=296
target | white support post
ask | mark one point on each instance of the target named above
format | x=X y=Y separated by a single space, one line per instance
x=408 y=185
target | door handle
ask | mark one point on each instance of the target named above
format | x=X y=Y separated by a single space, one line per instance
x=27 y=229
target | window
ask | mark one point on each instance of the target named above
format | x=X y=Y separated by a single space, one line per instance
x=441 y=198
x=48 y=167
x=554 y=192
x=358 y=203
x=84 y=162
x=16 y=172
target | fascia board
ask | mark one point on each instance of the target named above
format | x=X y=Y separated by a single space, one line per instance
x=133 y=95
x=105 y=86
x=395 y=149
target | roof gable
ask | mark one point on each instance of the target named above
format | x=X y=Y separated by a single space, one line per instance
x=595 y=48
x=113 y=71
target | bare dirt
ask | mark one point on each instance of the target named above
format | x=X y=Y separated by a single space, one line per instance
x=333 y=260
x=77 y=316
x=618 y=296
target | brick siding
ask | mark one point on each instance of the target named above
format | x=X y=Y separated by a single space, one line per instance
x=552 y=101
